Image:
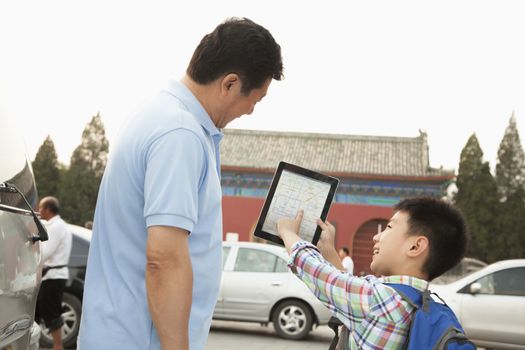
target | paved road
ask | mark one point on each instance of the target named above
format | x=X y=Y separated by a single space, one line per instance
x=239 y=335
x=253 y=336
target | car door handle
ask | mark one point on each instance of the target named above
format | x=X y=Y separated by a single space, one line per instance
x=277 y=283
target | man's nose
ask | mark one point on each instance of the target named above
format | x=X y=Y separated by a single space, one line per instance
x=376 y=237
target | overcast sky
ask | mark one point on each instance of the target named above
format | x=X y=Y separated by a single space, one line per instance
x=450 y=68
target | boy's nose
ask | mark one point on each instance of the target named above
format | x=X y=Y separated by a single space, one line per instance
x=376 y=237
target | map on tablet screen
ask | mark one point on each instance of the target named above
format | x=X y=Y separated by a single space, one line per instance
x=294 y=188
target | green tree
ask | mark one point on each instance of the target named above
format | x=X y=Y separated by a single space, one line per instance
x=510 y=169
x=46 y=169
x=81 y=181
x=510 y=177
x=477 y=197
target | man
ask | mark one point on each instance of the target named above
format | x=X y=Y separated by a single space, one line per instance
x=55 y=257
x=155 y=258
x=346 y=260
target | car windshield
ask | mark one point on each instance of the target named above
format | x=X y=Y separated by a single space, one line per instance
x=465 y=267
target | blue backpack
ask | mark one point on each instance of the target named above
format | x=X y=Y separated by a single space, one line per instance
x=434 y=325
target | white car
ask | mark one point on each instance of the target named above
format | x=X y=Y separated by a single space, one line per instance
x=257 y=286
x=490 y=304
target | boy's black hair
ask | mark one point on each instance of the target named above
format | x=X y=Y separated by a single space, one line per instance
x=345 y=249
x=443 y=225
x=239 y=46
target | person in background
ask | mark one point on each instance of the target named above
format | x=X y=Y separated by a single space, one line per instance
x=55 y=257
x=346 y=260
x=155 y=258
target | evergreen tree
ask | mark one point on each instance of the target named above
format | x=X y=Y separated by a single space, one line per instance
x=46 y=169
x=81 y=181
x=510 y=177
x=477 y=197
x=510 y=170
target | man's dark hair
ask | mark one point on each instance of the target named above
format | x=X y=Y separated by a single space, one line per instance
x=51 y=203
x=239 y=46
x=445 y=228
x=345 y=249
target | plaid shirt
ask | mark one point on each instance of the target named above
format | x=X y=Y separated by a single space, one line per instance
x=374 y=315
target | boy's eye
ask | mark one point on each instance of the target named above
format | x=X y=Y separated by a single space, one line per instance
x=389 y=226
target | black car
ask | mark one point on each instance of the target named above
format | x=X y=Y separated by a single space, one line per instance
x=73 y=293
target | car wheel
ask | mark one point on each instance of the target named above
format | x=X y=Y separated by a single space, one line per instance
x=71 y=312
x=292 y=319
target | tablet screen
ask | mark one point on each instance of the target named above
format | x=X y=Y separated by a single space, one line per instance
x=294 y=188
x=295 y=192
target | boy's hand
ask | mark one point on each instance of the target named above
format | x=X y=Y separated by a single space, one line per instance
x=326 y=244
x=327 y=239
x=288 y=230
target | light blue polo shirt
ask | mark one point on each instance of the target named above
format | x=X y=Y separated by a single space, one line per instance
x=164 y=170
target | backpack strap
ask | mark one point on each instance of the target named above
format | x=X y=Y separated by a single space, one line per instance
x=413 y=296
x=334 y=324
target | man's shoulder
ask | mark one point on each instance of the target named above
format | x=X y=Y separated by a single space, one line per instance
x=167 y=114
x=63 y=225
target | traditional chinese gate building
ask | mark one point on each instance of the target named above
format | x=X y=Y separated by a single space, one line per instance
x=375 y=172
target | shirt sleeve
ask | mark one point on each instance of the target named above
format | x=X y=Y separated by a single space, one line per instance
x=175 y=165
x=347 y=296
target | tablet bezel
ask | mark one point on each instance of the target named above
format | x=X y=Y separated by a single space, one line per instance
x=332 y=181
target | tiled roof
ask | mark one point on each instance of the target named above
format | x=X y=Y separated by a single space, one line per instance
x=351 y=154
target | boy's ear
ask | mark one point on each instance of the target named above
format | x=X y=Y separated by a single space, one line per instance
x=418 y=246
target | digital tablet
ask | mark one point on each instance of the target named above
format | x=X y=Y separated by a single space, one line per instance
x=294 y=188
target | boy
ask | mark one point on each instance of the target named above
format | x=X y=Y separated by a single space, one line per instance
x=424 y=238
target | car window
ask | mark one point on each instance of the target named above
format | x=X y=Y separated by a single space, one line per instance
x=15 y=167
x=281 y=265
x=504 y=282
x=254 y=260
x=225 y=253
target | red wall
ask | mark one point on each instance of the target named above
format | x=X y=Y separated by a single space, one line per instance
x=240 y=214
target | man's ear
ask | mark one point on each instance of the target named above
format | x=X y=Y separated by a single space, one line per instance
x=418 y=246
x=230 y=82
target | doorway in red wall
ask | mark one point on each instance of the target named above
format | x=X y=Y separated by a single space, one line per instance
x=363 y=245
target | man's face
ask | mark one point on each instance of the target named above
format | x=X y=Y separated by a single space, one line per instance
x=390 y=245
x=342 y=254
x=44 y=212
x=242 y=104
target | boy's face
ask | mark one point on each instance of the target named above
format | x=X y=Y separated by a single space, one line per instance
x=390 y=245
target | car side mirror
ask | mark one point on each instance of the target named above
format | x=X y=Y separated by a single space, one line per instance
x=42 y=233
x=475 y=288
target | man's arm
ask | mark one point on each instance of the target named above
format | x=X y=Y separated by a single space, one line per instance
x=169 y=283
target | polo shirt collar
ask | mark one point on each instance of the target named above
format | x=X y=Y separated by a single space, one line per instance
x=415 y=282
x=181 y=92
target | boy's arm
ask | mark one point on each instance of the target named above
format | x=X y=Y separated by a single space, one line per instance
x=326 y=244
x=288 y=231
x=345 y=295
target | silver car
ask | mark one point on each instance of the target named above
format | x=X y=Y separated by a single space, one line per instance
x=20 y=235
x=490 y=304
x=257 y=286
